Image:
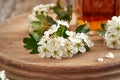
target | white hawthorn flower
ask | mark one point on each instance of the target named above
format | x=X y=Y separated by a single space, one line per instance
x=55 y=50
x=73 y=36
x=50 y=5
x=32 y=18
x=61 y=41
x=64 y=55
x=43 y=48
x=46 y=34
x=112 y=36
x=53 y=29
x=61 y=22
x=44 y=40
x=56 y=53
x=3 y=75
x=36 y=8
x=70 y=48
x=44 y=51
x=70 y=33
x=75 y=49
x=113 y=44
x=109 y=43
x=40 y=9
x=80 y=47
x=87 y=40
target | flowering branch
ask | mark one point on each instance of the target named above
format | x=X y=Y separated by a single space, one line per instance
x=52 y=38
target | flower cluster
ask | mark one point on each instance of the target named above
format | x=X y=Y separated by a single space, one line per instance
x=53 y=45
x=40 y=9
x=3 y=75
x=112 y=34
x=51 y=37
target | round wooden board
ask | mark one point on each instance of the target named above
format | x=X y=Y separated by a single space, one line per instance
x=20 y=65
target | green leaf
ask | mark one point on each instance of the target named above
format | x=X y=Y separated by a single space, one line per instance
x=103 y=26
x=101 y=33
x=61 y=32
x=63 y=14
x=85 y=30
x=43 y=20
x=87 y=48
x=50 y=20
x=41 y=17
x=35 y=36
x=79 y=28
x=46 y=20
x=28 y=47
x=43 y=23
x=35 y=25
x=82 y=29
x=31 y=44
x=34 y=51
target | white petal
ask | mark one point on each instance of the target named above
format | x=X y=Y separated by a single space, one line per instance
x=109 y=44
x=70 y=33
x=41 y=55
x=35 y=9
x=61 y=22
x=32 y=18
x=46 y=34
x=70 y=55
x=110 y=55
x=114 y=18
x=100 y=59
x=2 y=75
x=48 y=55
x=82 y=49
x=65 y=55
x=75 y=50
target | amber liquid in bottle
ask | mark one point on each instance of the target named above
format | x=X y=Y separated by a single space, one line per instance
x=95 y=11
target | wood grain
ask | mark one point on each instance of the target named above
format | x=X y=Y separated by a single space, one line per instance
x=20 y=65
